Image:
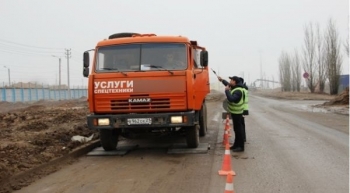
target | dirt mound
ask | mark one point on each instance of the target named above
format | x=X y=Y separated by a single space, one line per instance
x=33 y=134
x=6 y=106
x=341 y=99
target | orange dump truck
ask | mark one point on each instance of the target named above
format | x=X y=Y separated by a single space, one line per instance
x=144 y=85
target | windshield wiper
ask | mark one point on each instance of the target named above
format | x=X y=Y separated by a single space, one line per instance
x=114 y=69
x=160 y=67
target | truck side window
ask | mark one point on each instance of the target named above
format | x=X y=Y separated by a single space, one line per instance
x=196 y=58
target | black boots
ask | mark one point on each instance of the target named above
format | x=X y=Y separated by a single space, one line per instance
x=237 y=149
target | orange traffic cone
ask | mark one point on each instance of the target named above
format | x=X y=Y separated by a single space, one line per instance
x=229 y=184
x=226 y=164
x=227 y=127
x=226 y=131
x=226 y=140
x=227 y=120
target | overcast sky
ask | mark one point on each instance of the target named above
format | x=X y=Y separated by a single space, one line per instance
x=236 y=33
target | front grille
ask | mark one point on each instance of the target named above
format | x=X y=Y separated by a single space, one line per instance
x=156 y=103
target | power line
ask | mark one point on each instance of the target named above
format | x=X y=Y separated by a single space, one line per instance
x=15 y=49
x=77 y=60
x=10 y=42
x=25 y=54
x=27 y=51
x=74 y=50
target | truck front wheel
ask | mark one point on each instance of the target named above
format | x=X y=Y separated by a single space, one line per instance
x=192 y=136
x=109 y=139
x=203 y=121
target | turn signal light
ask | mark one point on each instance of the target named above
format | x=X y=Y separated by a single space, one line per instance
x=95 y=122
x=185 y=119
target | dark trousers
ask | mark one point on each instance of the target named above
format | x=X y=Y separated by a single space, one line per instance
x=243 y=128
x=237 y=128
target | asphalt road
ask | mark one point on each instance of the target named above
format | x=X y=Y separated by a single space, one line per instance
x=288 y=149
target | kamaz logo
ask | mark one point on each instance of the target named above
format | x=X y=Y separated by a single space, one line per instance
x=140 y=100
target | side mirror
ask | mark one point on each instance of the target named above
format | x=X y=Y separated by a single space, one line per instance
x=86 y=59
x=86 y=71
x=204 y=58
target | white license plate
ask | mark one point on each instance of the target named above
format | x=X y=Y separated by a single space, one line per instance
x=140 y=121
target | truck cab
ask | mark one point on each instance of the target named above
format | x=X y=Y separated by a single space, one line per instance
x=143 y=84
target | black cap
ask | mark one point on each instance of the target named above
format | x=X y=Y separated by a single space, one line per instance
x=242 y=80
x=235 y=78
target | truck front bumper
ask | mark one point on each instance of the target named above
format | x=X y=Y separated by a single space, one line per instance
x=112 y=121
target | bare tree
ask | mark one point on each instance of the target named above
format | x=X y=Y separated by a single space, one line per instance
x=320 y=57
x=281 y=71
x=309 y=52
x=296 y=72
x=285 y=71
x=333 y=57
x=346 y=46
x=293 y=76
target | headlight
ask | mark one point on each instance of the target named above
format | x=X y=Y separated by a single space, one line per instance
x=176 y=119
x=104 y=121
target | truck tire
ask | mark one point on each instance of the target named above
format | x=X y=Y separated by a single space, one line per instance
x=122 y=35
x=203 y=121
x=192 y=136
x=109 y=139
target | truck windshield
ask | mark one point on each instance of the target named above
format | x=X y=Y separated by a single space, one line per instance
x=142 y=57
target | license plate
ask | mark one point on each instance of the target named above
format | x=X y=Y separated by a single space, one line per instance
x=140 y=121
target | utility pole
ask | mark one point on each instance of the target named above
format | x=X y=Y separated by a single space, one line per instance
x=8 y=71
x=267 y=84
x=68 y=55
x=249 y=78
x=59 y=71
x=242 y=74
x=261 y=74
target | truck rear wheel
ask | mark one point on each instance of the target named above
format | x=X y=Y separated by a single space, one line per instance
x=192 y=136
x=203 y=121
x=109 y=139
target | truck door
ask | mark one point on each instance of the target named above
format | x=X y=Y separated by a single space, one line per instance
x=201 y=79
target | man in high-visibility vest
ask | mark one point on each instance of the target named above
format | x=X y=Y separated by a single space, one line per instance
x=235 y=95
x=245 y=111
